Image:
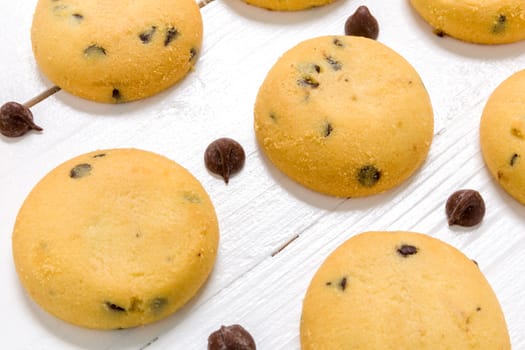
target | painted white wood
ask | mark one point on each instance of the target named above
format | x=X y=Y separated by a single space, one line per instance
x=261 y=210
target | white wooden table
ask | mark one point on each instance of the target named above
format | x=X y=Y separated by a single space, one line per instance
x=261 y=210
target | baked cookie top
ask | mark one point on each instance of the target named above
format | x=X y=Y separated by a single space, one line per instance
x=116 y=51
x=345 y=116
x=477 y=21
x=400 y=290
x=115 y=238
x=502 y=135
x=288 y=5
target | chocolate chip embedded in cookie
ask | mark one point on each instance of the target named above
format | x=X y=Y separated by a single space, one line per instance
x=344 y=116
x=400 y=290
x=115 y=239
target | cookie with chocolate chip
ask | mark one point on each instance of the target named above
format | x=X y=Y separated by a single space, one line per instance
x=400 y=290
x=115 y=239
x=345 y=116
x=502 y=135
x=476 y=21
x=116 y=52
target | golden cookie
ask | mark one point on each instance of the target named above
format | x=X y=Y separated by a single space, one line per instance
x=477 y=21
x=401 y=290
x=345 y=116
x=288 y=5
x=116 y=51
x=115 y=239
x=502 y=135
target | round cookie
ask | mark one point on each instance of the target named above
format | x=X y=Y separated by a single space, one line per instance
x=116 y=51
x=288 y=5
x=400 y=290
x=502 y=135
x=115 y=239
x=476 y=21
x=344 y=116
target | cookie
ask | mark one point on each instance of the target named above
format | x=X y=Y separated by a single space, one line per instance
x=115 y=239
x=288 y=5
x=344 y=115
x=401 y=290
x=116 y=51
x=502 y=135
x=476 y=21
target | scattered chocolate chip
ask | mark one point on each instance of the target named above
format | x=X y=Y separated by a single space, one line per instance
x=438 y=32
x=336 y=65
x=233 y=337
x=157 y=304
x=342 y=283
x=362 y=23
x=171 y=34
x=465 y=208
x=273 y=117
x=500 y=24
x=224 y=157
x=368 y=175
x=94 y=50
x=80 y=170
x=77 y=16
x=193 y=53
x=514 y=159
x=114 y=307
x=317 y=68
x=405 y=250
x=328 y=283
x=100 y=155
x=338 y=42
x=16 y=120
x=147 y=35
x=478 y=309
x=115 y=94
x=475 y=262
x=308 y=81
x=327 y=129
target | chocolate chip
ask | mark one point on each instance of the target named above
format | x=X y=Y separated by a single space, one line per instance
x=16 y=120
x=171 y=34
x=224 y=157
x=327 y=129
x=362 y=23
x=342 y=283
x=500 y=24
x=368 y=175
x=115 y=94
x=308 y=81
x=273 y=117
x=158 y=304
x=147 y=35
x=439 y=32
x=77 y=16
x=94 y=50
x=336 y=65
x=514 y=159
x=317 y=68
x=193 y=53
x=80 y=170
x=233 y=337
x=478 y=309
x=328 y=283
x=465 y=208
x=114 y=307
x=100 y=155
x=475 y=262
x=405 y=250
x=338 y=42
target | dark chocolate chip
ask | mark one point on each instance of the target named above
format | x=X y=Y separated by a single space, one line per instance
x=171 y=34
x=438 y=32
x=317 y=68
x=16 y=120
x=465 y=208
x=100 y=155
x=273 y=116
x=336 y=65
x=514 y=159
x=115 y=94
x=475 y=262
x=338 y=42
x=362 y=23
x=308 y=81
x=94 y=50
x=342 y=283
x=500 y=24
x=327 y=129
x=368 y=175
x=158 y=304
x=233 y=337
x=80 y=170
x=224 y=157
x=77 y=16
x=405 y=250
x=478 y=309
x=147 y=35
x=328 y=283
x=193 y=53
x=114 y=307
